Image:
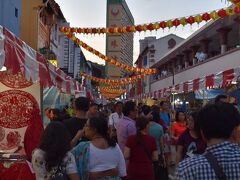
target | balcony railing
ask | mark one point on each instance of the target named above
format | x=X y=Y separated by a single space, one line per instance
x=222 y=62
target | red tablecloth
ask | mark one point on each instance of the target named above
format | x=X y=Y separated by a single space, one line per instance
x=17 y=171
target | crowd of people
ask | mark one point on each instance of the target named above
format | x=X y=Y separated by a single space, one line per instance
x=139 y=142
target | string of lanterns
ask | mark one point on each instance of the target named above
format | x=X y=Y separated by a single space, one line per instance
x=235 y=1
x=111 y=93
x=110 y=96
x=110 y=88
x=122 y=81
x=102 y=89
x=158 y=25
x=147 y=71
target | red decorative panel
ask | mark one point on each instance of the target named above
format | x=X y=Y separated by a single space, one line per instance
x=15 y=81
x=16 y=108
x=2 y=134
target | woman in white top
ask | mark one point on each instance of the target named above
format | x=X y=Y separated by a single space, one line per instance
x=101 y=157
x=52 y=160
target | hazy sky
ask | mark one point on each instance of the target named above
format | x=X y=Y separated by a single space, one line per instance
x=92 y=13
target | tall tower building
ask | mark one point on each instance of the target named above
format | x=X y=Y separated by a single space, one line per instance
x=118 y=46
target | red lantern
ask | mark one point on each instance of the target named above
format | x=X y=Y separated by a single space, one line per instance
x=150 y=27
x=163 y=24
x=129 y=29
x=79 y=30
x=102 y=30
x=206 y=16
x=72 y=30
x=235 y=1
x=190 y=20
x=138 y=28
x=222 y=13
x=84 y=45
x=89 y=30
x=111 y=30
x=94 y=30
x=90 y=49
x=85 y=30
x=120 y=30
x=237 y=10
x=77 y=41
x=69 y=36
x=176 y=22
x=96 y=53
x=65 y=29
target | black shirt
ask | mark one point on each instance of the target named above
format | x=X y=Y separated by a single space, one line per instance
x=74 y=125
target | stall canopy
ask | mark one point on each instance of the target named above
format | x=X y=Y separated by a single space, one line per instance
x=17 y=56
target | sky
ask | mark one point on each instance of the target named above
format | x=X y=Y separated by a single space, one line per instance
x=92 y=13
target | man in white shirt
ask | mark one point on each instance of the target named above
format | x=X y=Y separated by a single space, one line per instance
x=114 y=118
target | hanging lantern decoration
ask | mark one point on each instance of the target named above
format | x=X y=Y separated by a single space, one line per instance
x=230 y=11
x=222 y=13
x=206 y=17
x=102 y=30
x=150 y=27
x=176 y=22
x=111 y=30
x=139 y=28
x=183 y=21
x=235 y=1
x=169 y=24
x=237 y=9
x=144 y=27
x=156 y=26
x=214 y=15
x=162 y=24
x=198 y=19
x=69 y=36
x=190 y=20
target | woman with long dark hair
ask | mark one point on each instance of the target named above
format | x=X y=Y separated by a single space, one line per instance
x=141 y=151
x=52 y=159
x=101 y=157
x=190 y=142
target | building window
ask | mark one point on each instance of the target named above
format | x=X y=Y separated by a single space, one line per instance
x=145 y=61
x=16 y=12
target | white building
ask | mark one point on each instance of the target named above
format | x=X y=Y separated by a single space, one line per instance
x=152 y=50
x=218 y=41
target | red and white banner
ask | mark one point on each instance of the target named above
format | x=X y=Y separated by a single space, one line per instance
x=218 y=80
x=17 y=56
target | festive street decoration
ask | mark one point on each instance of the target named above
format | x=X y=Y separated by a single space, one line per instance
x=146 y=71
x=218 y=80
x=31 y=67
x=235 y=1
x=111 y=90
x=122 y=81
x=158 y=25
x=110 y=96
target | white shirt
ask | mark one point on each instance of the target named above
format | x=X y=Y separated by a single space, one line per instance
x=38 y=163
x=105 y=159
x=113 y=119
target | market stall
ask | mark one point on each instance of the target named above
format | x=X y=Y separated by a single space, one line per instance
x=24 y=73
